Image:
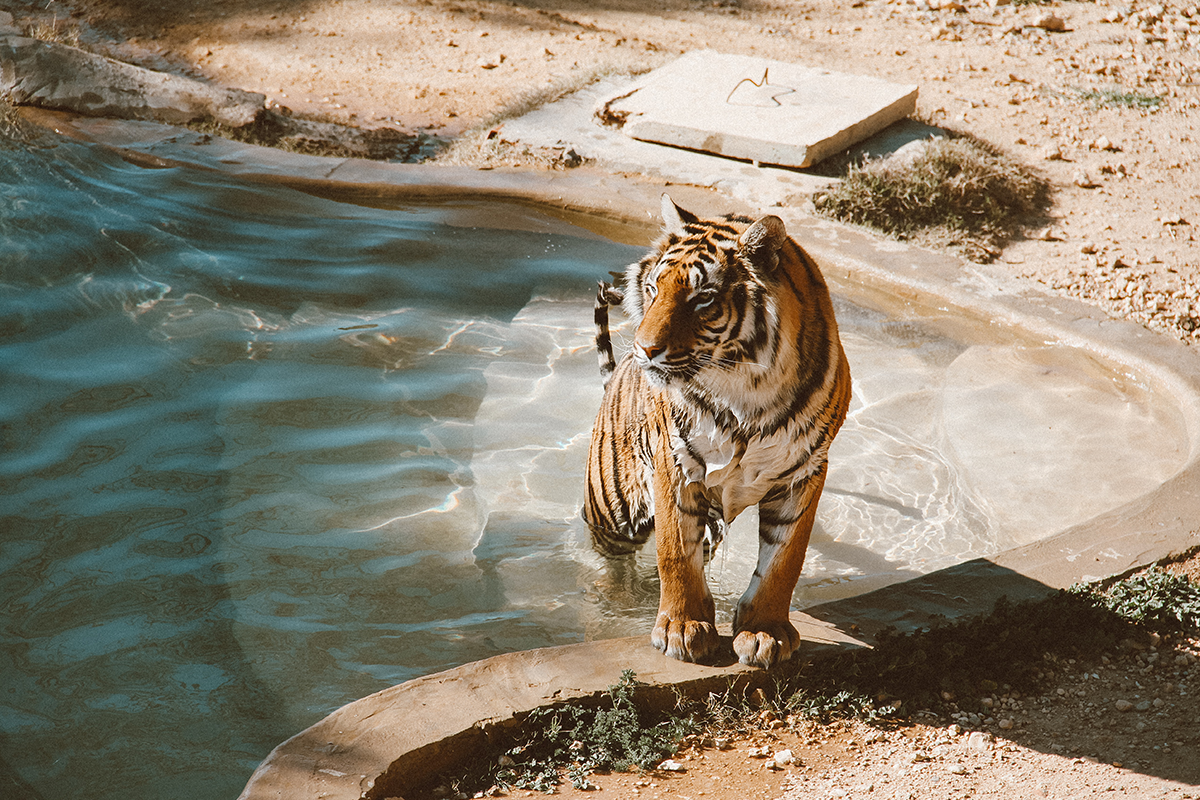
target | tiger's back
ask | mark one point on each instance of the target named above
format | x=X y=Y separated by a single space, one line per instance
x=734 y=388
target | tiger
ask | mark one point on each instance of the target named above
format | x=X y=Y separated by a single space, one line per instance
x=732 y=392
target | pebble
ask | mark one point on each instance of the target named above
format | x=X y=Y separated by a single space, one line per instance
x=1124 y=705
x=978 y=740
x=671 y=765
x=1083 y=180
x=1050 y=21
x=1006 y=724
x=784 y=757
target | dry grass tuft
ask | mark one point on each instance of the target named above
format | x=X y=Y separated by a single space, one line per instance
x=953 y=192
x=57 y=32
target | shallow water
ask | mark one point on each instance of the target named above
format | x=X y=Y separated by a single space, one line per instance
x=265 y=453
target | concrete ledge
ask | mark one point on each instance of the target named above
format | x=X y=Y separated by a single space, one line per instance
x=386 y=743
x=377 y=746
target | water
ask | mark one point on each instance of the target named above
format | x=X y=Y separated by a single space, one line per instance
x=265 y=453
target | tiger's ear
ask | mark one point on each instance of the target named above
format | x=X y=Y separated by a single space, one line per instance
x=675 y=218
x=760 y=243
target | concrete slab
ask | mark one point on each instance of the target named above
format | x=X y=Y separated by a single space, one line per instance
x=754 y=109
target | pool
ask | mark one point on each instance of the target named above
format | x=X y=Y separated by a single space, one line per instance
x=266 y=452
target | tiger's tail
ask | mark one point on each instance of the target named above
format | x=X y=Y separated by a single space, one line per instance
x=607 y=295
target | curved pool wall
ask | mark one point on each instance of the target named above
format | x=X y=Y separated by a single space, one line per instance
x=874 y=273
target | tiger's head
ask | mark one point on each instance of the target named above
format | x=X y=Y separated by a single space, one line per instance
x=702 y=296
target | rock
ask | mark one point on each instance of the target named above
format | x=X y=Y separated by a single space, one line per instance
x=671 y=765
x=759 y=752
x=1006 y=724
x=784 y=757
x=1083 y=180
x=1103 y=143
x=571 y=159
x=1124 y=705
x=1048 y=20
x=1143 y=706
x=978 y=740
x=52 y=75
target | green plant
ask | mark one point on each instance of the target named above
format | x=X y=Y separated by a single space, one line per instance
x=1107 y=98
x=576 y=740
x=1155 y=598
x=839 y=705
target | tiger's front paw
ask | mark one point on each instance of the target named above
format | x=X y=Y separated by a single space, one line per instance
x=767 y=644
x=684 y=639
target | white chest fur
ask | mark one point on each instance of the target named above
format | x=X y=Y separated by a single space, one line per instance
x=742 y=471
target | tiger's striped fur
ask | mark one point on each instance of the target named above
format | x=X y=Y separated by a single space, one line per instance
x=606 y=296
x=735 y=387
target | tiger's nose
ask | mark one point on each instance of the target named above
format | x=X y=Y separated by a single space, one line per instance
x=651 y=351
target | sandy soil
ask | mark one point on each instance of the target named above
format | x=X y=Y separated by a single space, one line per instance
x=1126 y=177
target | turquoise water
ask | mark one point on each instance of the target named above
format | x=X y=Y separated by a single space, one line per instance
x=213 y=394
x=265 y=453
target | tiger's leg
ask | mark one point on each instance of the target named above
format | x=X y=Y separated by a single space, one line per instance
x=763 y=635
x=686 y=625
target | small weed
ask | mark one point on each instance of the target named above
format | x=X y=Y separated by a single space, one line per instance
x=954 y=191
x=1154 y=598
x=56 y=32
x=825 y=708
x=1116 y=98
x=575 y=741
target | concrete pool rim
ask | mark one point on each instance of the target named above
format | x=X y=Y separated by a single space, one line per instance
x=376 y=744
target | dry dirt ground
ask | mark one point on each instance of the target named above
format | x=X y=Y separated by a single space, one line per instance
x=1102 y=98
x=1105 y=108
